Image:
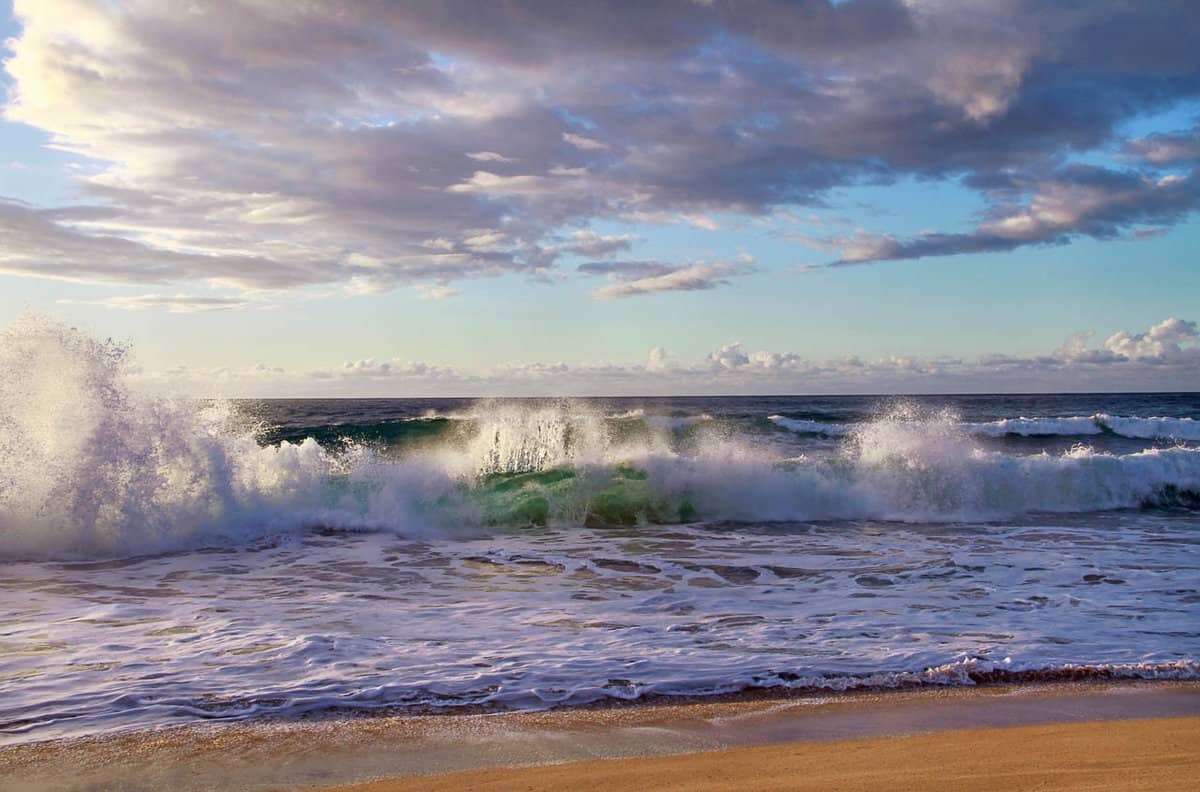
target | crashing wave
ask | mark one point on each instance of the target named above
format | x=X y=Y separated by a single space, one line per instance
x=89 y=468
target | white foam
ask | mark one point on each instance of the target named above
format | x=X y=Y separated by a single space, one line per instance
x=1152 y=428
x=534 y=619
x=813 y=427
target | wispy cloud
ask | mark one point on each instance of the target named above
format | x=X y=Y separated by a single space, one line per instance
x=436 y=292
x=633 y=278
x=172 y=303
x=583 y=142
x=589 y=243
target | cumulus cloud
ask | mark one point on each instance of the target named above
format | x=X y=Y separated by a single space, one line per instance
x=1167 y=355
x=659 y=360
x=1164 y=342
x=272 y=152
x=730 y=357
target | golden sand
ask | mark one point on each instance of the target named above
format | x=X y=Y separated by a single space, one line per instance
x=1157 y=754
x=1012 y=737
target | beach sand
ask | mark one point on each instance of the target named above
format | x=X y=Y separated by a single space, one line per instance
x=1052 y=736
x=1158 y=754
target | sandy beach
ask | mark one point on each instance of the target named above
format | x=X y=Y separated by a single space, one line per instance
x=599 y=395
x=1157 y=754
x=1054 y=736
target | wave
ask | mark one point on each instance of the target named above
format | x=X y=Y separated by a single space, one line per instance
x=1154 y=428
x=90 y=469
x=306 y=701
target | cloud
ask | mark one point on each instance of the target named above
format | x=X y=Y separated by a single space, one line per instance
x=659 y=360
x=171 y=303
x=369 y=368
x=525 y=184
x=730 y=357
x=287 y=149
x=633 y=278
x=42 y=243
x=437 y=292
x=489 y=156
x=1081 y=200
x=1165 y=357
x=585 y=143
x=589 y=243
x=1161 y=343
x=1166 y=149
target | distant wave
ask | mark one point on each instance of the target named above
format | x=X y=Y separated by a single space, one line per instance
x=1154 y=428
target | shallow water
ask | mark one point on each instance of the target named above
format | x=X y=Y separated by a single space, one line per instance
x=571 y=615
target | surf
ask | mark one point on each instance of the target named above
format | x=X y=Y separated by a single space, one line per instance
x=90 y=468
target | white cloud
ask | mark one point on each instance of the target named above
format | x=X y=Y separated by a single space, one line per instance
x=582 y=142
x=488 y=183
x=659 y=360
x=489 y=156
x=1162 y=342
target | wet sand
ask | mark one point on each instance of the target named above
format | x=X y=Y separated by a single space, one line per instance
x=1117 y=733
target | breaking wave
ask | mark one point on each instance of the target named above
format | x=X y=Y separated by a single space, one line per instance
x=89 y=468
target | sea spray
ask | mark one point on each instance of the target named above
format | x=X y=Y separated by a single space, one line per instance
x=88 y=468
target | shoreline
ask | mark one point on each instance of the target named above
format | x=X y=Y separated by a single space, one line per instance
x=339 y=751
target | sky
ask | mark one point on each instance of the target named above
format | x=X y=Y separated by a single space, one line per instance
x=604 y=198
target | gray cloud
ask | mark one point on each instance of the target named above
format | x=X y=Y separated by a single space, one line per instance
x=32 y=243
x=376 y=144
x=1167 y=149
x=589 y=243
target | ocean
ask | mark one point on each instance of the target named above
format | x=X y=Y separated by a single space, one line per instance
x=167 y=562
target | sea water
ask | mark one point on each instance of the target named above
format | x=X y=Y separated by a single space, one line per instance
x=168 y=561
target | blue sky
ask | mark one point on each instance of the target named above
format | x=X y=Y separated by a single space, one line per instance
x=266 y=201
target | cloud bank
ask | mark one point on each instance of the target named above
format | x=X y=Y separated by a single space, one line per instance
x=371 y=145
x=1164 y=357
